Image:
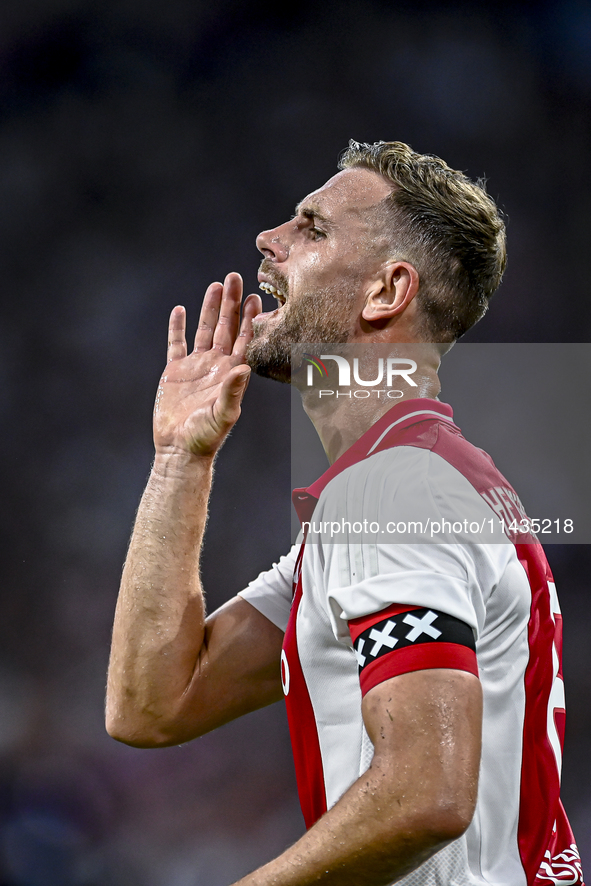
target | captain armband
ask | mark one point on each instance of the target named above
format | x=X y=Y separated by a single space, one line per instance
x=402 y=638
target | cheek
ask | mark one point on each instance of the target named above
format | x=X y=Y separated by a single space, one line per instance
x=315 y=263
x=318 y=269
x=309 y=275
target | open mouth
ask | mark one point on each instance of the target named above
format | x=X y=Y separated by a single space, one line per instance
x=276 y=293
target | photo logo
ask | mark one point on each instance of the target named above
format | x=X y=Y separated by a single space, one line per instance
x=315 y=363
x=387 y=372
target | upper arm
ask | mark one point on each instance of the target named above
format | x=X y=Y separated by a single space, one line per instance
x=238 y=668
x=418 y=671
x=426 y=730
x=237 y=671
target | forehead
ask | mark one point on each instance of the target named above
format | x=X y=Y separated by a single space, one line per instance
x=348 y=194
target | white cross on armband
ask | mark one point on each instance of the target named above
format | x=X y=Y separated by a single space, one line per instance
x=360 y=658
x=383 y=638
x=421 y=626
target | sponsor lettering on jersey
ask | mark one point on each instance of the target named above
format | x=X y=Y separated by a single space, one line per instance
x=563 y=869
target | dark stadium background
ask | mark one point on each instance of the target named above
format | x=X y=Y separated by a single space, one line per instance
x=142 y=147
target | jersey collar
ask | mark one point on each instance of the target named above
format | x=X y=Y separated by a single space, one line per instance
x=382 y=435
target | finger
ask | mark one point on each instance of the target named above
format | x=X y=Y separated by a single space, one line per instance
x=229 y=317
x=208 y=317
x=251 y=308
x=177 y=344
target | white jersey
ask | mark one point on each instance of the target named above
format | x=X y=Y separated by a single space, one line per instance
x=357 y=612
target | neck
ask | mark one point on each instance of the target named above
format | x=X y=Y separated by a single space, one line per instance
x=341 y=421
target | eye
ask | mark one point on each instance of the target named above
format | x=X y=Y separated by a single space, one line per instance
x=308 y=226
x=314 y=232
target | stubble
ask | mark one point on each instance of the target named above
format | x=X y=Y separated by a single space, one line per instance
x=323 y=316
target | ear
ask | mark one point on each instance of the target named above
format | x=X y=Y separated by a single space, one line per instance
x=391 y=292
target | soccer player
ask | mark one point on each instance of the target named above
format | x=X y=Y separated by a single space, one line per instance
x=422 y=678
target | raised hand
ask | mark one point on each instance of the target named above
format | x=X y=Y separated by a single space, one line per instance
x=199 y=395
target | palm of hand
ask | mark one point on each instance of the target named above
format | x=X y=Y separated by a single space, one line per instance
x=199 y=395
x=188 y=414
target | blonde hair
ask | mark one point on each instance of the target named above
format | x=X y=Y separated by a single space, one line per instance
x=444 y=224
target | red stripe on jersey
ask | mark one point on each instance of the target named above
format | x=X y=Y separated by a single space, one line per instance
x=558 y=641
x=417 y=658
x=359 y=625
x=300 y=715
x=543 y=831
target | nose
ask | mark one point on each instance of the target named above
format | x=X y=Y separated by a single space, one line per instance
x=273 y=243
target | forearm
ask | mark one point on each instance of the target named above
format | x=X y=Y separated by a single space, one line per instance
x=376 y=834
x=159 y=622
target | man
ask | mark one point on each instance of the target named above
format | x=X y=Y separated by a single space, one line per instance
x=389 y=652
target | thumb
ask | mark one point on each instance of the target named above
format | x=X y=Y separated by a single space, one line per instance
x=240 y=382
x=232 y=393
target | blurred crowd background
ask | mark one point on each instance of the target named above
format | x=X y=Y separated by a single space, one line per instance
x=142 y=147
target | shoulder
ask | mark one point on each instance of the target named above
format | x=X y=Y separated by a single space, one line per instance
x=408 y=483
x=271 y=592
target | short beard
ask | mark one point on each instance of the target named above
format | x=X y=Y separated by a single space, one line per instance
x=312 y=320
